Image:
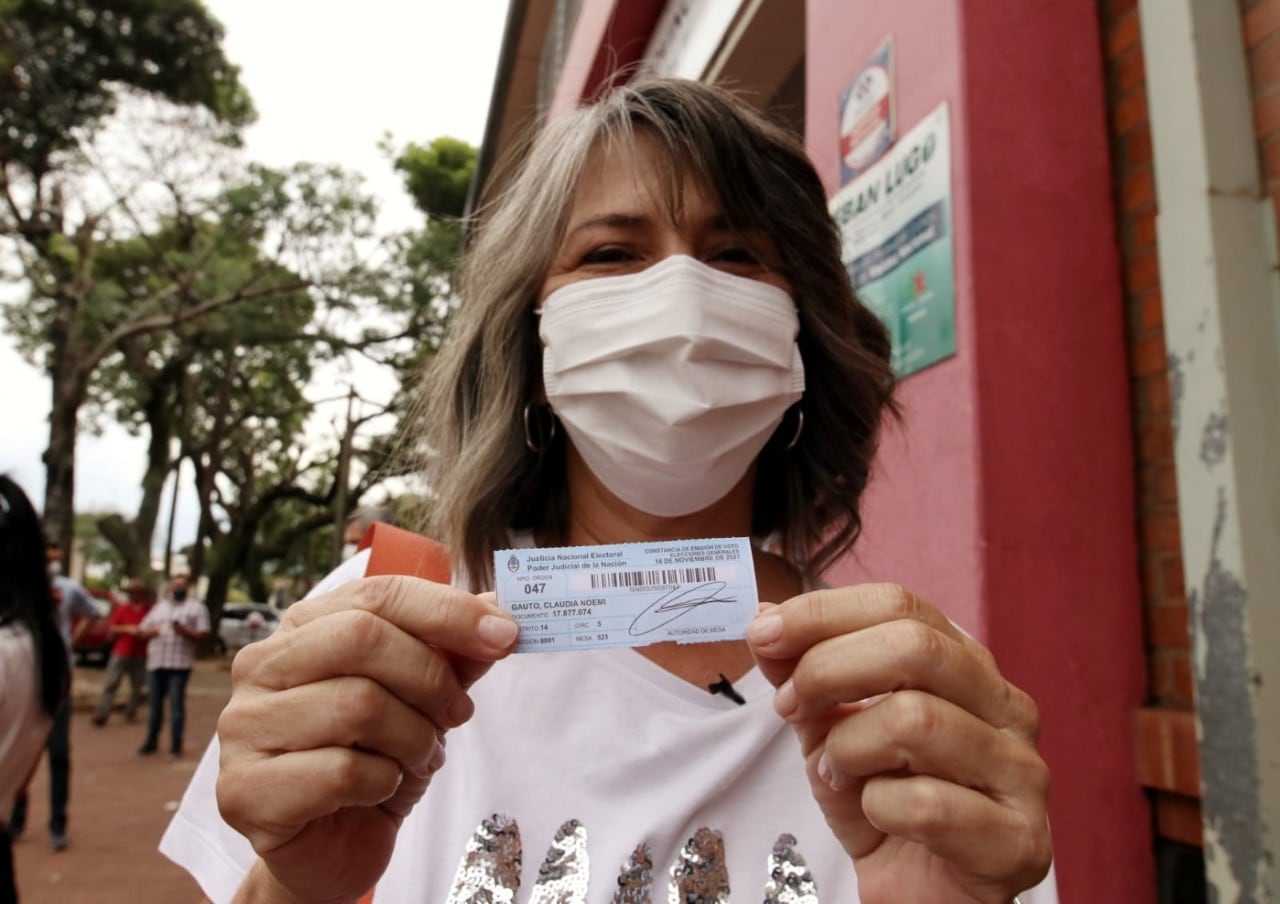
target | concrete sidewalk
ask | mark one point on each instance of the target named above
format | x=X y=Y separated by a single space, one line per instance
x=120 y=804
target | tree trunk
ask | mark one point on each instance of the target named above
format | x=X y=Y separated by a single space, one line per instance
x=159 y=465
x=215 y=595
x=68 y=386
x=226 y=556
x=68 y=392
x=121 y=535
x=60 y=476
x=132 y=539
x=205 y=527
x=206 y=471
x=254 y=581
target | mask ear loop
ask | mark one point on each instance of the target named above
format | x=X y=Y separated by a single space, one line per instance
x=533 y=447
x=799 y=429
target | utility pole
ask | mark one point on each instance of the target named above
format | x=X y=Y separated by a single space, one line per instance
x=344 y=471
x=173 y=510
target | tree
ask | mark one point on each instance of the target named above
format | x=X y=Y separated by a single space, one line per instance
x=247 y=409
x=160 y=384
x=103 y=565
x=266 y=502
x=61 y=60
x=438 y=176
x=174 y=249
x=145 y=248
x=64 y=67
x=148 y=385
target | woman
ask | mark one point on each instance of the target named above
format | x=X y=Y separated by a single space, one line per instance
x=657 y=341
x=33 y=660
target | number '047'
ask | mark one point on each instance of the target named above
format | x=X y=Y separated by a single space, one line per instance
x=535 y=588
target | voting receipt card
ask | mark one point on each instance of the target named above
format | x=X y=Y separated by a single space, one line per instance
x=628 y=595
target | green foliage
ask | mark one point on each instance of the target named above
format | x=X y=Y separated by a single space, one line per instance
x=60 y=62
x=438 y=176
x=293 y=543
x=422 y=262
x=198 y=313
x=191 y=297
x=65 y=67
x=188 y=264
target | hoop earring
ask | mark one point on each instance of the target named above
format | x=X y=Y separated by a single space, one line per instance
x=533 y=447
x=799 y=429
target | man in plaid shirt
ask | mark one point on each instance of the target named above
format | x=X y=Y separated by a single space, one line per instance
x=172 y=628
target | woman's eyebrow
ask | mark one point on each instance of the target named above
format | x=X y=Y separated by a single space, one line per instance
x=611 y=220
x=713 y=222
x=720 y=222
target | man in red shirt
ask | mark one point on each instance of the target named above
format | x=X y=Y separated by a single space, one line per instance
x=128 y=654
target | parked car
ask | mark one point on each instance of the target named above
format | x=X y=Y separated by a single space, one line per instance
x=243 y=623
x=93 y=647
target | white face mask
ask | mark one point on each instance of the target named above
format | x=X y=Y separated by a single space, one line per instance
x=670 y=381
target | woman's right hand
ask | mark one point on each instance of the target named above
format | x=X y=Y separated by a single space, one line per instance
x=336 y=724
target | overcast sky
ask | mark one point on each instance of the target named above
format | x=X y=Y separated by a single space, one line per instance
x=329 y=80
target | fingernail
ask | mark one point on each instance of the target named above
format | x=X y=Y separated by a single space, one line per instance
x=825 y=772
x=427 y=766
x=765 y=629
x=785 y=700
x=460 y=709
x=497 y=631
x=824 y=768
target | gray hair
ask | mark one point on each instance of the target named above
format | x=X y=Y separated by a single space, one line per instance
x=485 y=479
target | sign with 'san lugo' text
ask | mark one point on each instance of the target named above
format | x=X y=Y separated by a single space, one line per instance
x=895 y=226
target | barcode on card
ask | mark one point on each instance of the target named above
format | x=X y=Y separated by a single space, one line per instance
x=651 y=577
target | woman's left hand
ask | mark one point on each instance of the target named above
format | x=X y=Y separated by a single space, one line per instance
x=921 y=755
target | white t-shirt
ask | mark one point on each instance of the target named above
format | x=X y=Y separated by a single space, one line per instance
x=590 y=776
x=24 y=724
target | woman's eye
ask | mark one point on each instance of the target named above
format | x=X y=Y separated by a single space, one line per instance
x=608 y=254
x=736 y=255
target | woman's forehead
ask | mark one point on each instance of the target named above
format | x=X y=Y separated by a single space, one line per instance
x=639 y=175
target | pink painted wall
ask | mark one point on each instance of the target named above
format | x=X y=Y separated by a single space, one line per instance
x=579 y=59
x=1007 y=497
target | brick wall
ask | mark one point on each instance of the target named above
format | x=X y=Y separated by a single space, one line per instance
x=1261 y=20
x=1164 y=731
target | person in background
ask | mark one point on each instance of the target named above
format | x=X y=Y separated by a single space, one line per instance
x=171 y=629
x=74 y=611
x=33 y=659
x=358 y=522
x=128 y=653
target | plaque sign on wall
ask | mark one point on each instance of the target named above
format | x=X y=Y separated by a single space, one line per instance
x=868 y=124
x=895 y=223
